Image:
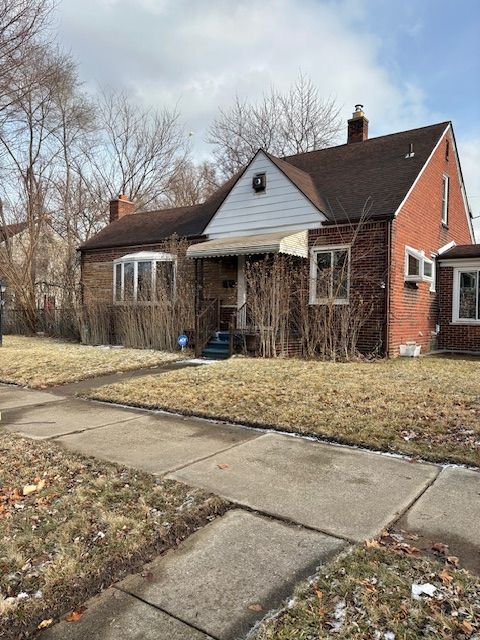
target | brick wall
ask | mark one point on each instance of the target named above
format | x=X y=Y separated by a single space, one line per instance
x=456 y=337
x=413 y=307
x=368 y=271
x=97 y=269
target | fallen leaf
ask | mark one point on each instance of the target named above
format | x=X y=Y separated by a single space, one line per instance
x=439 y=547
x=255 y=607
x=453 y=560
x=222 y=466
x=29 y=488
x=372 y=544
x=74 y=616
x=45 y=623
x=40 y=485
x=467 y=627
x=445 y=577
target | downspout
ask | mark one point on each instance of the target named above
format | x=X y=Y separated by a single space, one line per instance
x=388 y=288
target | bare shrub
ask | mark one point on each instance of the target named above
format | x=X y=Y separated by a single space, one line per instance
x=279 y=304
x=157 y=318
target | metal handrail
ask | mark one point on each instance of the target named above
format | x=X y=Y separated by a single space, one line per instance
x=206 y=324
x=242 y=316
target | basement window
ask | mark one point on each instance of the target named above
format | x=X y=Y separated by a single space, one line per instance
x=144 y=277
x=330 y=275
x=418 y=268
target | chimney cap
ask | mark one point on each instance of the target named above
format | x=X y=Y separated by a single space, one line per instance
x=358 y=113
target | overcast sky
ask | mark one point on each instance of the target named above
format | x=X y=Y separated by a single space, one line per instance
x=411 y=63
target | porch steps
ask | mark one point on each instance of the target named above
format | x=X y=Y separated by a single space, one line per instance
x=218 y=347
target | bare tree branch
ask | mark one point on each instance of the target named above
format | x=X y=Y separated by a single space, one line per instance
x=283 y=124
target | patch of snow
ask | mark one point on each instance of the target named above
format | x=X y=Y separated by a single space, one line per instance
x=425 y=589
x=339 y=614
x=197 y=361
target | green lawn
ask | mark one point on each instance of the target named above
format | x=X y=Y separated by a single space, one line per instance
x=70 y=526
x=366 y=594
x=427 y=407
x=44 y=362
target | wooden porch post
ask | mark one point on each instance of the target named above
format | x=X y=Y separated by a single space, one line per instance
x=198 y=300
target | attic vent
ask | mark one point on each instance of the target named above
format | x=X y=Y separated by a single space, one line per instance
x=259 y=182
x=410 y=153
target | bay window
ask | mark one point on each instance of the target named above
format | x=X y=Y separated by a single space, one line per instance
x=143 y=277
x=418 y=268
x=466 y=295
x=330 y=275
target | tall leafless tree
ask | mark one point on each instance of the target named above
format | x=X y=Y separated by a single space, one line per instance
x=139 y=149
x=22 y=22
x=282 y=123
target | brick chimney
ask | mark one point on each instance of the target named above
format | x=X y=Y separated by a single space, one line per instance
x=357 y=126
x=120 y=207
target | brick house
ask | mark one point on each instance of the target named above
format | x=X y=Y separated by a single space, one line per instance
x=373 y=218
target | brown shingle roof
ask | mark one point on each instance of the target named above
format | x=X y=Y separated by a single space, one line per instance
x=340 y=181
x=373 y=174
x=10 y=230
x=462 y=251
x=150 y=227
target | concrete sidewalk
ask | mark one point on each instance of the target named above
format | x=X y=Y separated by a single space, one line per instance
x=297 y=503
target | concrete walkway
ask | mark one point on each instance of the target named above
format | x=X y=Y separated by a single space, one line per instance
x=297 y=503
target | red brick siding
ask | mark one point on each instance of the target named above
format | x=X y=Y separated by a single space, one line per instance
x=413 y=308
x=455 y=337
x=368 y=272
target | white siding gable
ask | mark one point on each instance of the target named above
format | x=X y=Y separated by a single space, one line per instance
x=281 y=207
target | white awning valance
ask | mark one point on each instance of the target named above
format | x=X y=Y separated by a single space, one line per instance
x=295 y=244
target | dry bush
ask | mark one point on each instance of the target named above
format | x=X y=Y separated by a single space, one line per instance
x=278 y=307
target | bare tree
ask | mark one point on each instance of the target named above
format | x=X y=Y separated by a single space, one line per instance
x=139 y=149
x=283 y=124
x=191 y=184
x=21 y=24
x=29 y=150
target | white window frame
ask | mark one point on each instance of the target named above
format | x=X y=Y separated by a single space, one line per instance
x=457 y=271
x=422 y=259
x=314 y=273
x=445 y=198
x=142 y=256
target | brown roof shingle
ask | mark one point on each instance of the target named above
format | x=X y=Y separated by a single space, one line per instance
x=10 y=230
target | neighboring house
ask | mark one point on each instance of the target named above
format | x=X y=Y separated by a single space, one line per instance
x=24 y=257
x=372 y=217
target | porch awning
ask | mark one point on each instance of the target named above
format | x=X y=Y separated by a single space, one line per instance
x=294 y=244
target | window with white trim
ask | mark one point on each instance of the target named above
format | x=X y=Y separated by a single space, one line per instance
x=143 y=277
x=445 y=194
x=418 y=268
x=466 y=295
x=330 y=275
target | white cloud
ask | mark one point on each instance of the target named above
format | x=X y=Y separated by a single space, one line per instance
x=204 y=53
x=200 y=54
